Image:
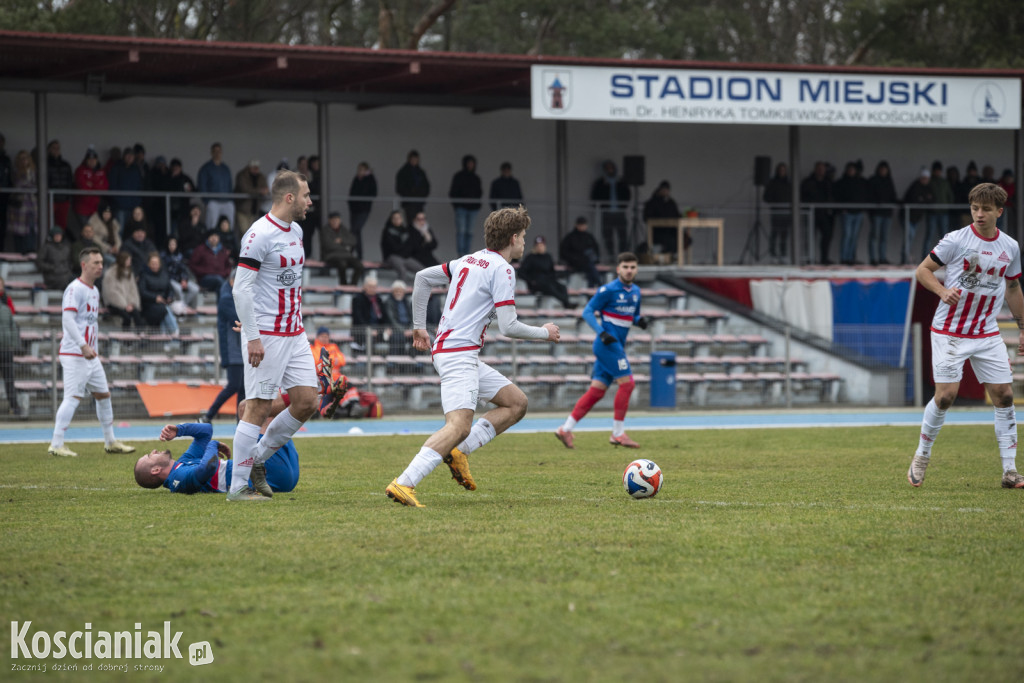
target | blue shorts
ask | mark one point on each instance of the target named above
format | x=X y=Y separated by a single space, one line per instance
x=283 y=468
x=610 y=362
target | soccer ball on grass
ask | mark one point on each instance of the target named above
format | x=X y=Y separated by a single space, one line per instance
x=642 y=479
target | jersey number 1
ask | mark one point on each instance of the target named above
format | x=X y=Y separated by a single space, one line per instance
x=463 y=274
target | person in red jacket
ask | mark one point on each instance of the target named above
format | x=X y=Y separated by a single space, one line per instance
x=210 y=262
x=89 y=176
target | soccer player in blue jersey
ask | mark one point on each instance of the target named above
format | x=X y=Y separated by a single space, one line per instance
x=205 y=467
x=610 y=312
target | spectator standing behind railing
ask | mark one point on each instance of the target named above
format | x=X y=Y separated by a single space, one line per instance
x=6 y=181
x=953 y=178
x=505 y=189
x=210 y=262
x=215 y=177
x=919 y=193
x=59 y=176
x=961 y=192
x=883 y=191
x=10 y=340
x=852 y=188
x=178 y=181
x=156 y=295
x=53 y=260
x=411 y=181
x=121 y=292
x=22 y=209
x=311 y=223
x=661 y=205
x=183 y=282
x=614 y=196
x=817 y=189
x=938 y=220
x=251 y=181
x=364 y=184
x=88 y=176
x=125 y=176
x=159 y=180
x=778 y=194
x=465 y=188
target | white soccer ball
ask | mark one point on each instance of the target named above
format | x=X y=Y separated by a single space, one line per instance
x=355 y=430
x=642 y=478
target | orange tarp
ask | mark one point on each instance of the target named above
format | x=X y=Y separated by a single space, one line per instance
x=165 y=400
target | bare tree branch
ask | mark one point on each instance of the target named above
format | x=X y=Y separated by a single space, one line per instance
x=427 y=20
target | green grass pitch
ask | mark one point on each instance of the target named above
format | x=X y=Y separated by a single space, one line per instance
x=769 y=555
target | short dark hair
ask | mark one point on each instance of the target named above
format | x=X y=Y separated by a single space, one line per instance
x=286 y=182
x=627 y=257
x=87 y=252
x=987 y=193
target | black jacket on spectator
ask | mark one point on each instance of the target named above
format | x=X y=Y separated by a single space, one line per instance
x=362 y=187
x=503 y=188
x=152 y=285
x=578 y=249
x=140 y=252
x=466 y=185
x=883 y=191
x=918 y=193
x=399 y=240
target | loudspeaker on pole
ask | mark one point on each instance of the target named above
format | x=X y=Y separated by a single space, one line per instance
x=633 y=170
x=762 y=170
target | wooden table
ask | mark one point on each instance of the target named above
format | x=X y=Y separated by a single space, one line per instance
x=681 y=224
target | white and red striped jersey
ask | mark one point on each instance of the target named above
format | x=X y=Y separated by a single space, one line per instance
x=84 y=301
x=979 y=268
x=480 y=283
x=274 y=250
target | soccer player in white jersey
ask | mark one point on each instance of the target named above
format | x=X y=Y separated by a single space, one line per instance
x=481 y=286
x=80 y=359
x=268 y=298
x=982 y=266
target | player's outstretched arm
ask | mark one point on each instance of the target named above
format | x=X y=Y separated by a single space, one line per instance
x=510 y=326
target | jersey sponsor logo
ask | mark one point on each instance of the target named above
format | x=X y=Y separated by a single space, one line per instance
x=175 y=484
x=970 y=279
x=288 y=277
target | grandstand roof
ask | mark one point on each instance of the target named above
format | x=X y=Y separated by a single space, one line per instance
x=113 y=67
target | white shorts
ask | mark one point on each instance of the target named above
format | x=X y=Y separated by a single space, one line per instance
x=287 y=362
x=989 y=359
x=464 y=380
x=83 y=376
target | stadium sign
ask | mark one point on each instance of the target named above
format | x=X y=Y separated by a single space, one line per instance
x=774 y=98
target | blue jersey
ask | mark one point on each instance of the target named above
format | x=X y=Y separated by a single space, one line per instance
x=199 y=470
x=619 y=307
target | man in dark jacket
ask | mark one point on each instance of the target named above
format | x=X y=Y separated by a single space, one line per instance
x=337 y=249
x=139 y=246
x=778 y=195
x=817 y=189
x=125 y=176
x=852 y=188
x=364 y=184
x=399 y=244
x=505 y=188
x=661 y=205
x=537 y=269
x=466 y=190
x=54 y=260
x=230 y=351
x=411 y=181
x=210 y=262
x=883 y=191
x=580 y=252
x=59 y=176
x=614 y=196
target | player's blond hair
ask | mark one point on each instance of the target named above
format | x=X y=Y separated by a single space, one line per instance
x=502 y=224
x=286 y=182
x=987 y=193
